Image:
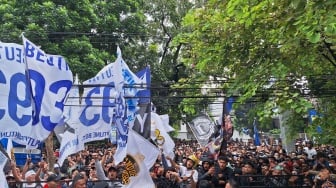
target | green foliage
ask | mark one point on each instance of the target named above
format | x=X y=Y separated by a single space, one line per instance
x=263 y=48
x=275 y=131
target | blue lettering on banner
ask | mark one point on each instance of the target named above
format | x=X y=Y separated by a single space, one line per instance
x=69 y=144
x=17 y=135
x=108 y=104
x=12 y=54
x=55 y=87
x=104 y=75
x=2 y=81
x=93 y=135
x=14 y=101
x=40 y=56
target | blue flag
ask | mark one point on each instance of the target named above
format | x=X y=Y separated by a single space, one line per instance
x=256 y=133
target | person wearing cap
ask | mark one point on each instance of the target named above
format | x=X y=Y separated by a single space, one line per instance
x=188 y=173
x=79 y=181
x=57 y=170
x=53 y=181
x=276 y=180
x=11 y=180
x=29 y=178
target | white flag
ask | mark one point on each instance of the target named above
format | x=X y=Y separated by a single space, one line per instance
x=98 y=105
x=70 y=145
x=160 y=135
x=50 y=81
x=165 y=121
x=15 y=96
x=126 y=108
x=141 y=155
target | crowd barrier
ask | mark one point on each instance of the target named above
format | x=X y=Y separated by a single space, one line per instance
x=250 y=181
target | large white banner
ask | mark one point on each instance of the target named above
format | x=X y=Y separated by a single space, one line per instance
x=15 y=96
x=103 y=103
x=98 y=105
x=50 y=81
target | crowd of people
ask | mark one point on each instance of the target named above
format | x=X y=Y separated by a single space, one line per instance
x=242 y=165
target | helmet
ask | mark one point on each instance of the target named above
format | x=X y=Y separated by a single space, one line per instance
x=194 y=159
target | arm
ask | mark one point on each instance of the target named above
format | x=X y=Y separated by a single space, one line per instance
x=38 y=173
x=15 y=174
x=25 y=167
x=174 y=164
x=99 y=169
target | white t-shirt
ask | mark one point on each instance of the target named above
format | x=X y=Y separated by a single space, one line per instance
x=185 y=172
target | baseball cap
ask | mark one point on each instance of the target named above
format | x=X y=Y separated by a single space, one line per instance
x=29 y=173
x=53 y=177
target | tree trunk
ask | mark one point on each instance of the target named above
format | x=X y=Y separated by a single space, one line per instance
x=50 y=157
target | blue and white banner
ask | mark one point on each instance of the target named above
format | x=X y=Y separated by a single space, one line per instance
x=33 y=86
x=98 y=106
x=15 y=96
x=50 y=81
x=126 y=107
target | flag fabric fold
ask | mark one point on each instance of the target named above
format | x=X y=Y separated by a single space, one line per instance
x=70 y=144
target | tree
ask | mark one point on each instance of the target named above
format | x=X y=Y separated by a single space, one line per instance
x=264 y=48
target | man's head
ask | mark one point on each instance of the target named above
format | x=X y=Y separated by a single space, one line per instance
x=56 y=168
x=222 y=161
x=11 y=180
x=30 y=175
x=112 y=173
x=192 y=161
x=247 y=167
x=79 y=181
x=53 y=180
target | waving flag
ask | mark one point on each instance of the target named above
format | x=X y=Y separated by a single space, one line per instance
x=227 y=127
x=143 y=118
x=160 y=136
x=99 y=101
x=15 y=97
x=141 y=156
x=126 y=107
x=50 y=81
x=70 y=144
